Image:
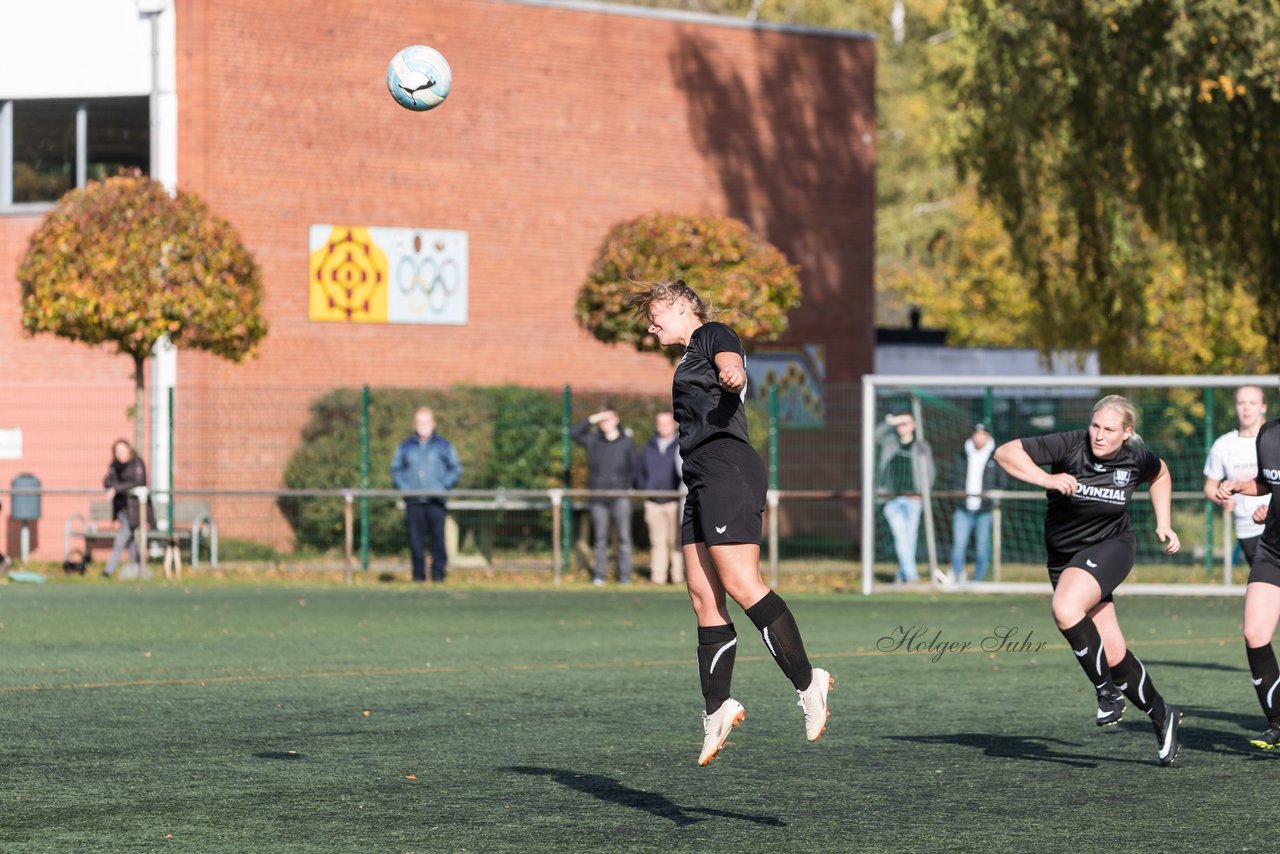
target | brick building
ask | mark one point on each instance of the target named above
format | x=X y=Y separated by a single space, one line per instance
x=564 y=118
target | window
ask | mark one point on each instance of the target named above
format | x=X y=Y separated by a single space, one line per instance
x=44 y=150
x=119 y=137
x=50 y=146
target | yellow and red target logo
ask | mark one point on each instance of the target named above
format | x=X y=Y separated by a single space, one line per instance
x=348 y=275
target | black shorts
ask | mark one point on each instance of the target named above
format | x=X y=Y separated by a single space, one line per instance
x=1109 y=562
x=1249 y=545
x=727 y=484
x=1266 y=566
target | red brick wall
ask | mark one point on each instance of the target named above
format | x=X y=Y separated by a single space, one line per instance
x=69 y=400
x=561 y=122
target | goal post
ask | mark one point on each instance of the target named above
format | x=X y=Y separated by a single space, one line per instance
x=1179 y=417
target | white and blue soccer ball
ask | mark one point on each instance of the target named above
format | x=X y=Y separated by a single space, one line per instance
x=419 y=78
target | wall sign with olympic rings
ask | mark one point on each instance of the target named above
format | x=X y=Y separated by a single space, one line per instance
x=426 y=283
x=418 y=275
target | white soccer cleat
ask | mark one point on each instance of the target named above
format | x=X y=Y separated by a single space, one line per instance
x=814 y=702
x=717 y=727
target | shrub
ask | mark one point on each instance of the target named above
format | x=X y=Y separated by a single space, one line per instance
x=507 y=438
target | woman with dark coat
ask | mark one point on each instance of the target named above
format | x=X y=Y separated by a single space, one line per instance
x=125 y=474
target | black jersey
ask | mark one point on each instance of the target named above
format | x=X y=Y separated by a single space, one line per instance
x=1269 y=479
x=1099 y=508
x=704 y=409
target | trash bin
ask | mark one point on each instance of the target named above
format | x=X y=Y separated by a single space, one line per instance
x=26 y=508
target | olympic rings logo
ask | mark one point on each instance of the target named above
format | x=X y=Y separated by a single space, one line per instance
x=423 y=280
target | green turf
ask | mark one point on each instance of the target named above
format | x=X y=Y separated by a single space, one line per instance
x=233 y=718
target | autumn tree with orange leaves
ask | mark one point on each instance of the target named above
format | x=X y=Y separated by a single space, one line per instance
x=121 y=263
x=731 y=267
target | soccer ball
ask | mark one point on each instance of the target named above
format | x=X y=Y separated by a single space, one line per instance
x=419 y=77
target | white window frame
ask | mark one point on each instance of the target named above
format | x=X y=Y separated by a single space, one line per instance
x=7 y=204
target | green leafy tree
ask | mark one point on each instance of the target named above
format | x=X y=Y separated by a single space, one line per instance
x=1100 y=129
x=730 y=267
x=972 y=287
x=963 y=280
x=122 y=262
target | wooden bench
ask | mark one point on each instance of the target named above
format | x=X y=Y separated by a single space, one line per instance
x=192 y=523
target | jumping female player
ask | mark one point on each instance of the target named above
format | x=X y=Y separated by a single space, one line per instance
x=1091 y=549
x=721 y=528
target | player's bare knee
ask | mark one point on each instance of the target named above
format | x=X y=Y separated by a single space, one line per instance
x=1066 y=613
x=1256 y=636
x=746 y=592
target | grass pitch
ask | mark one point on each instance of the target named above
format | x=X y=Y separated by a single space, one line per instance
x=245 y=717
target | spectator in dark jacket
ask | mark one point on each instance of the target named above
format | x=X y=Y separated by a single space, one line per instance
x=126 y=478
x=426 y=461
x=658 y=468
x=976 y=472
x=611 y=463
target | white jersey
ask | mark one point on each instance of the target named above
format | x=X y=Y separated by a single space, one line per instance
x=1235 y=457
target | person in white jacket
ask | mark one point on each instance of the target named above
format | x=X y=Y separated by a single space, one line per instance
x=1234 y=456
x=976 y=472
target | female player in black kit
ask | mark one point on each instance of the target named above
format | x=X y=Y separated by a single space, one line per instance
x=1091 y=549
x=720 y=532
x=1262 y=595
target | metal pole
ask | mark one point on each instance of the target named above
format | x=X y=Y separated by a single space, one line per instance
x=773 y=436
x=364 y=476
x=172 y=553
x=997 y=515
x=772 y=496
x=996 y=523
x=868 y=484
x=348 y=538
x=144 y=495
x=566 y=457
x=1209 y=507
x=926 y=496
x=153 y=117
x=1228 y=547
x=169 y=514
x=556 y=496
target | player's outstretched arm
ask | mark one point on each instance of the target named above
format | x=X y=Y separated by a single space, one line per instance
x=1161 y=490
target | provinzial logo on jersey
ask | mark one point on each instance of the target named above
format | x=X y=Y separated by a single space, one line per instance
x=1121 y=477
x=1272 y=475
x=1100 y=493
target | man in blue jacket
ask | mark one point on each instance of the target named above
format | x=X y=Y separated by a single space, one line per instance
x=425 y=461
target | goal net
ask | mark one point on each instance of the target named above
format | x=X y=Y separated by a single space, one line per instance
x=1178 y=418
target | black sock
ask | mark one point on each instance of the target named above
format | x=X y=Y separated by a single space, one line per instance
x=717 y=649
x=1266 y=680
x=782 y=638
x=1086 y=643
x=1130 y=676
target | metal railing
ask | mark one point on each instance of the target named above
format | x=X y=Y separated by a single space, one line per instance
x=940 y=578
x=554 y=536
